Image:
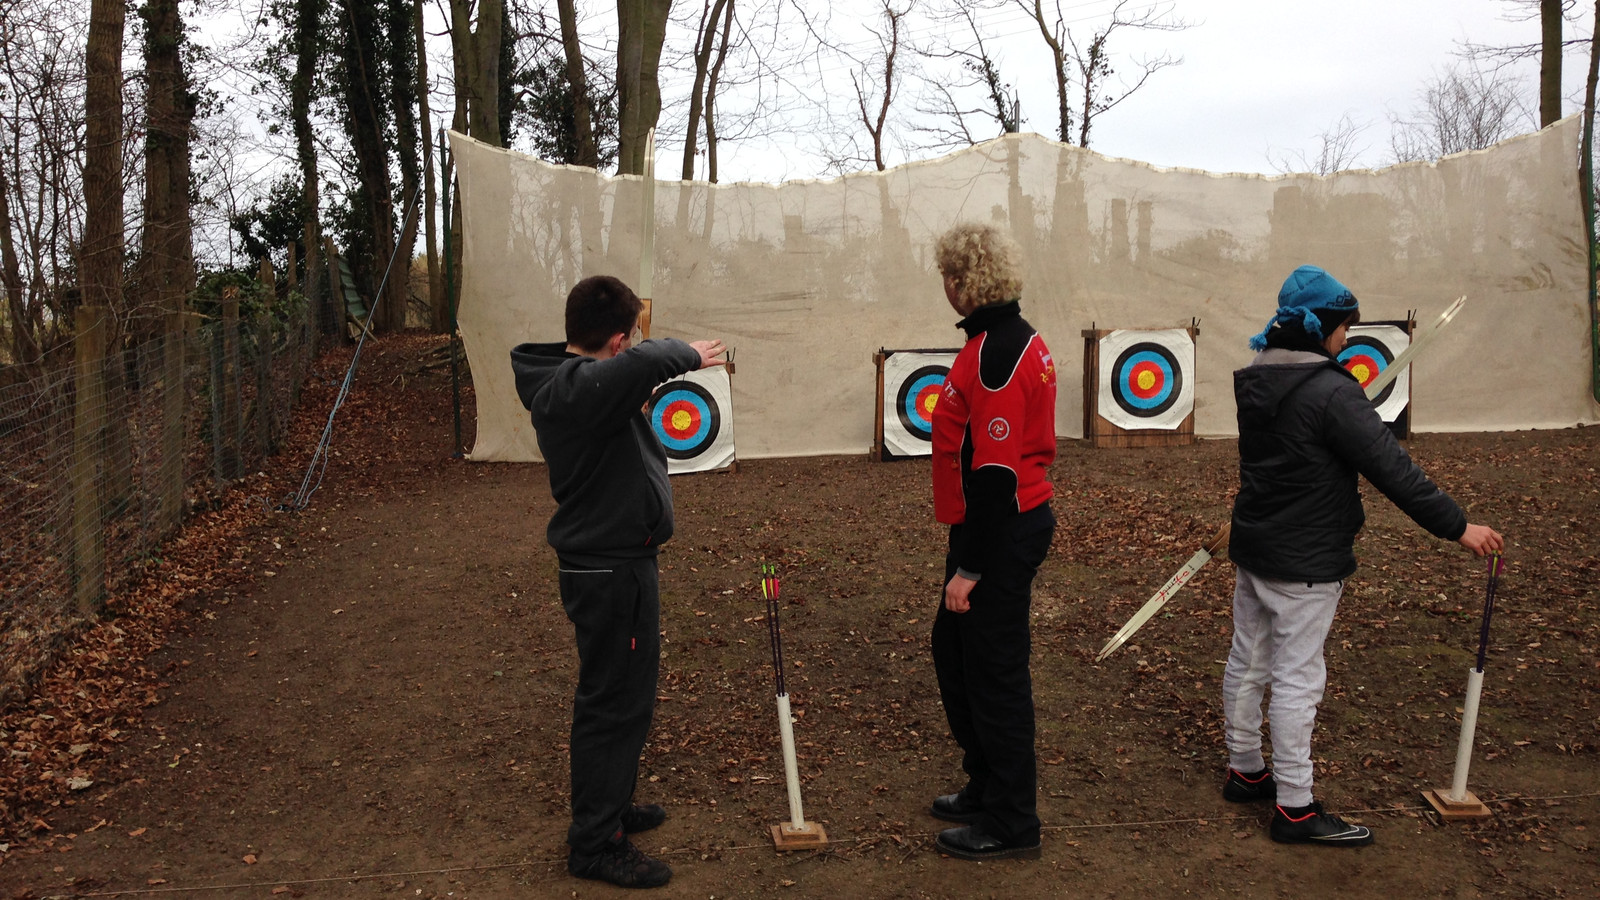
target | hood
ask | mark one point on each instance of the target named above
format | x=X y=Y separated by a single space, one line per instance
x=1275 y=374
x=534 y=365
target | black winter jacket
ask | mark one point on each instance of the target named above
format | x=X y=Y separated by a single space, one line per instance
x=1306 y=430
x=608 y=472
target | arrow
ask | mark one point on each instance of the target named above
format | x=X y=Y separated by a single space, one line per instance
x=1393 y=369
x=1177 y=581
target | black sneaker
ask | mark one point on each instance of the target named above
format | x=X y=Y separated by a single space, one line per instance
x=621 y=864
x=956 y=808
x=637 y=818
x=1248 y=788
x=1310 y=825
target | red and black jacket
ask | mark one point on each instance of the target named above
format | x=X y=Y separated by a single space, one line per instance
x=994 y=430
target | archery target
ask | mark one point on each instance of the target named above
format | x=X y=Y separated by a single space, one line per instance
x=1147 y=378
x=1368 y=351
x=911 y=385
x=693 y=419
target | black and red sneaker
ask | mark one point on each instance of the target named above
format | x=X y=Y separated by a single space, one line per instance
x=1249 y=787
x=1310 y=825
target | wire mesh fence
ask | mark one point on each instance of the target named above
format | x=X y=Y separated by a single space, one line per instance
x=106 y=447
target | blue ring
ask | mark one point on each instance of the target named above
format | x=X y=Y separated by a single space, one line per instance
x=1125 y=379
x=913 y=413
x=692 y=442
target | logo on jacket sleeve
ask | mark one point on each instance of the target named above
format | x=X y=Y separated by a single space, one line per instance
x=999 y=429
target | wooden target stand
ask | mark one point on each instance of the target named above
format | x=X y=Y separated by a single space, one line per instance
x=880 y=453
x=1103 y=434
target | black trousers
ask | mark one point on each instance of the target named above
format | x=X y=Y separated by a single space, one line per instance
x=615 y=610
x=981 y=660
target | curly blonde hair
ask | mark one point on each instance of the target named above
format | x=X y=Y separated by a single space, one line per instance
x=983 y=260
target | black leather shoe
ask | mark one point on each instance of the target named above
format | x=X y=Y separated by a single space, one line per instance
x=967 y=842
x=1243 y=787
x=637 y=818
x=956 y=808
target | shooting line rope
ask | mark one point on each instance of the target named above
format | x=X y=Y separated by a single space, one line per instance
x=490 y=867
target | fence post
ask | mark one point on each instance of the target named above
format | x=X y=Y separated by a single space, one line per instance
x=170 y=477
x=266 y=413
x=88 y=532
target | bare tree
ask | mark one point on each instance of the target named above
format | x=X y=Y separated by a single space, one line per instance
x=716 y=16
x=588 y=152
x=945 y=104
x=41 y=168
x=1337 y=150
x=1552 y=16
x=1092 y=59
x=1462 y=108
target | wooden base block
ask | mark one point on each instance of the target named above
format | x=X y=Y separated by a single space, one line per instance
x=1456 y=811
x=809 y=836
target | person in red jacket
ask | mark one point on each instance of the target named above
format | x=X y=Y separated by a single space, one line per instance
x=993 y=441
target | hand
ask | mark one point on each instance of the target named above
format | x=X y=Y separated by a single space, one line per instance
x=958 y=594
x=710 y=353
x=1481 y=540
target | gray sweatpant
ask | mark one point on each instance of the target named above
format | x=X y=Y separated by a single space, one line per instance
x=1278 y=631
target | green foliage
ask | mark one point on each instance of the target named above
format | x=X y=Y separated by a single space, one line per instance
x=253 y=296
x=278 y=220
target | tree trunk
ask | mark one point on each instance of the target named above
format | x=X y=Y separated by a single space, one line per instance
x=439 y=312
x=168 y=251
x=711 y=96
x=402 y=96
x=308 y=15
x=24 y=343
x=1057 y=56
x=709 y=15
x=641 y=32
x=100 y=264
x=1549 y=62
x=364 y=123
x=588 y=153
x=477 y=62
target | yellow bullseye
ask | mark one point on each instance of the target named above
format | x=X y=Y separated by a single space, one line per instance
x=1361 y=372
x=928 y=403
x=1146 y=380
x=681 y=420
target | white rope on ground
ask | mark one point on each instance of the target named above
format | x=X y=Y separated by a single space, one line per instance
x=489 y=867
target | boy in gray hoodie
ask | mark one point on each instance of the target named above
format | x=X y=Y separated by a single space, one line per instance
x=608 y=474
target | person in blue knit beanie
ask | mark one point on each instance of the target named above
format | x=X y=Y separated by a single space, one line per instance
x=1306 y=431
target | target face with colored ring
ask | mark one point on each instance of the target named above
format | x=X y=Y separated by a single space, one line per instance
x=1146 y=378
x=685 y=418
x=917 y=396
x=911 y=384
x=1366 y=358
x=1368 y=351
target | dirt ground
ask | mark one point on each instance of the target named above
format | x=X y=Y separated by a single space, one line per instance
x=371 y=697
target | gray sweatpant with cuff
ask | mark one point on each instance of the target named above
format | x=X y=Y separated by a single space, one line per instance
x=1279 y=628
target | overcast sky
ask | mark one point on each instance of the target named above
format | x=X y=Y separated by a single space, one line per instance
x=1258 y=77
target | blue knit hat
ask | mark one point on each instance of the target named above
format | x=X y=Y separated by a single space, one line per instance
x=1307 y=292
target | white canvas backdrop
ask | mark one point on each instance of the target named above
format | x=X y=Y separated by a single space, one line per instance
x=807 y=279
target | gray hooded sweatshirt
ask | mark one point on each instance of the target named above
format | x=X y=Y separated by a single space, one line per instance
x=608 y=472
